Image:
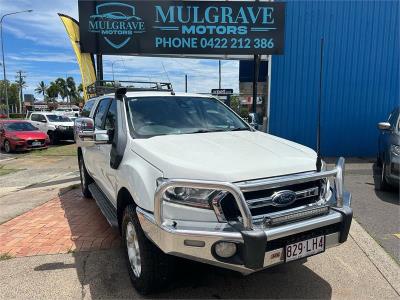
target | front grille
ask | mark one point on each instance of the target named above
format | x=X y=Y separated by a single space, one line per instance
x=260 y=202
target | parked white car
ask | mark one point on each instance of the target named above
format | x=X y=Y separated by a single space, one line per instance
x=56 y=126
x=183 y=175
x=71 y=112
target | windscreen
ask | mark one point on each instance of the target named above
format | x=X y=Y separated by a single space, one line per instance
x=152 y=116
x=19 y=126
x=55 y=118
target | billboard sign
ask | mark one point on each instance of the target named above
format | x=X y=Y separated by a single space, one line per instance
x=182 y=27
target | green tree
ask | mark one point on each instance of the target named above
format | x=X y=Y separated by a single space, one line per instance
x=19 y=80
x=52 y=92
x=62 y=87
x=41 y=89
x=72 y=90
x=12 y=91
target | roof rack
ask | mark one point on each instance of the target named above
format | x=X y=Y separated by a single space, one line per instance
x=102 y=87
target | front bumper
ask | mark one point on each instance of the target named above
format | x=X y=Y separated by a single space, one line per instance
x=258 y=246
x=67 y=134
x=26 y=145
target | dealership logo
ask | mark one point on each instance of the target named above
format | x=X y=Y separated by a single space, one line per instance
x=283 y=198
x=116 y=22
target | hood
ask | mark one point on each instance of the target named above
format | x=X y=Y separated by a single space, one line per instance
x=66 y=124
x=225 y=156
x=26 y=135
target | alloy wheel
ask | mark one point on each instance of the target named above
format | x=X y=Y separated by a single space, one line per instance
x=7 y=146
x=132 y=245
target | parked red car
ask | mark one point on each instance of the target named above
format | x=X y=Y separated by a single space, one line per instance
x=17 y=135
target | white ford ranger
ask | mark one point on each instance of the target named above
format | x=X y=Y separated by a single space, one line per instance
x=183 y=175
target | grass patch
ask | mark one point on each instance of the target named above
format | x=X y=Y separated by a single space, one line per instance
x=62 y=150
x=5 y=256
x=6 y=171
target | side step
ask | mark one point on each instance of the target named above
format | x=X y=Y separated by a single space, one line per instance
x=104 y=204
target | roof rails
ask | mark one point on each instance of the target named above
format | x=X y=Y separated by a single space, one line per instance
x=102 y=87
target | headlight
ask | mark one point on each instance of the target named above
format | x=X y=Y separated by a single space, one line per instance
x=61 y=127
x=325 y=189
x=395 y=149
x=15 y=138
x=188 y=196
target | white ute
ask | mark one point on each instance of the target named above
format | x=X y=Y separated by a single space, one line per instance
x=56 y=126
x=183 y=175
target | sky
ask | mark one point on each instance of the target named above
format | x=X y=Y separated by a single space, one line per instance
x=37 y=44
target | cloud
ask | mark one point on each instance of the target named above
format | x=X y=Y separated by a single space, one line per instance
x=43 y=57
x=47 y=53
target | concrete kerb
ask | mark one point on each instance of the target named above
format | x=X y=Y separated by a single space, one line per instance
x=385 y=264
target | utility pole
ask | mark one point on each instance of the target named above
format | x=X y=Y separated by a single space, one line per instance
x=186 y=83
x=20 y=81
x=219 y=72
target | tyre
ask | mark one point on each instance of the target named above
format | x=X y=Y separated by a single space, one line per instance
x=149 y=268
x=85 y=178
x=383 y=185
x=7 y=146
x=53 y=138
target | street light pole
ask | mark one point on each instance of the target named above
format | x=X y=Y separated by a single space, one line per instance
x=2 y=53
x=112 y=66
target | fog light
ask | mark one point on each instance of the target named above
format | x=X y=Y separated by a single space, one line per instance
x=225 y=249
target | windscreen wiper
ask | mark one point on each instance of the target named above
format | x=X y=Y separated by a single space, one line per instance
x=240 y=129
x=207 y=130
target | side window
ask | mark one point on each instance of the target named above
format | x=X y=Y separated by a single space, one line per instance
x=35 y=117
x=111 y=117
x=87 y=108
x=42 y=118
x=101 y=113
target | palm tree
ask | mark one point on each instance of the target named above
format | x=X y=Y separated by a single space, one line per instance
x=62 y=87
x=52 y=92
x=71 y=89
x=41 y=89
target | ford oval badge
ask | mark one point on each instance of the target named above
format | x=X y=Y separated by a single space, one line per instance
x=283 y=198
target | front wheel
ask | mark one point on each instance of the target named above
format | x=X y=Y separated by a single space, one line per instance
x=383 y=185
x=85 y=178
x=149 y=268
x=7 y=146
x=53 y=138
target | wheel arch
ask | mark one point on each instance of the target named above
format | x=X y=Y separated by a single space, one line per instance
x=124 y=198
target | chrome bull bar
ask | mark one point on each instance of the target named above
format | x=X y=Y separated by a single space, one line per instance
x=237 y=189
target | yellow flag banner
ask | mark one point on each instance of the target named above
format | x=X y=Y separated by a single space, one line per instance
x=85 y=60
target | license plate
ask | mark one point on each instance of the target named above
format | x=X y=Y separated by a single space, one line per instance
x=36 y=144
x=305 y=248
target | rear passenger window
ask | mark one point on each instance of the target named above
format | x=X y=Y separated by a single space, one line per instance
x=35 y=117
x=100 y=115
x=87 y=108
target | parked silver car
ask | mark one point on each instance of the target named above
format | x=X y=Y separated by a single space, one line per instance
x=389 y=151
